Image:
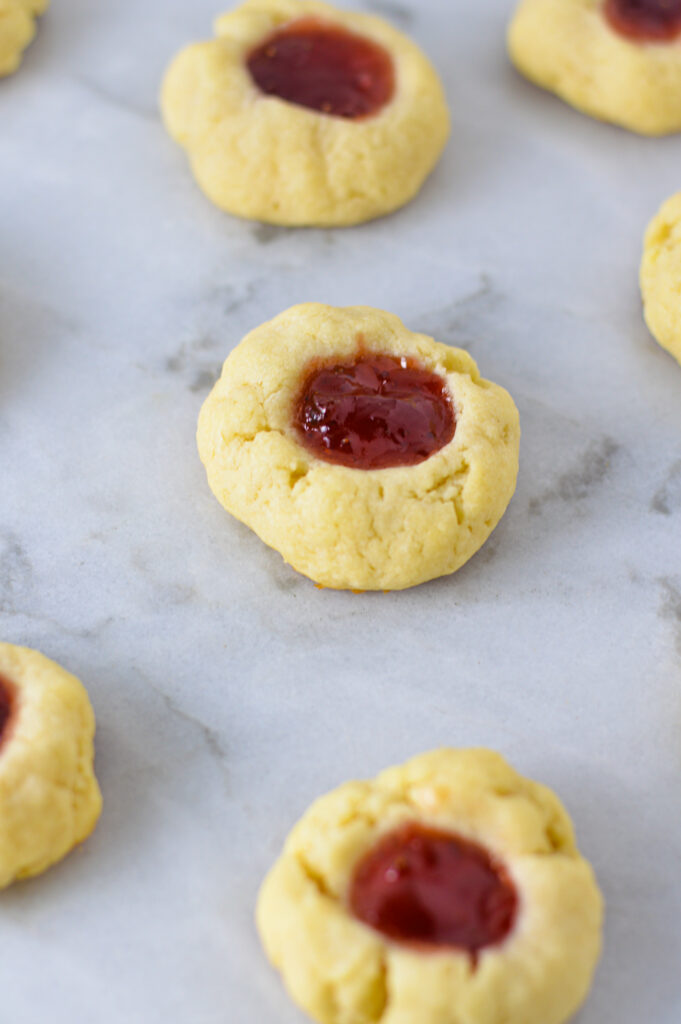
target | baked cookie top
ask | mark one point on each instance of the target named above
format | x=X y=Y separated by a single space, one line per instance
x=617 y=60
x=301 y=114
x=661 y=274
x=49 y=797
x=447 y=889
x=17 y=28
x=370 y=457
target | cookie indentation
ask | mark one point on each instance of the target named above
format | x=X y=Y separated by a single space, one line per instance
x=6 y=707
x=431 y=888
x=645 y=20
x=325 y=68
x=378 y=412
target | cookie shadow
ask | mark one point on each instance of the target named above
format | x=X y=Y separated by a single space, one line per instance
x=626 y=837
x=146 y=749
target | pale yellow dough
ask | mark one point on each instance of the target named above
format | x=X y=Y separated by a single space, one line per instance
x=49 y=797
x=17 y=28
x=348 y=528
x=661 y=276
x=568 y=47
x=261 y=157
x=342 y=972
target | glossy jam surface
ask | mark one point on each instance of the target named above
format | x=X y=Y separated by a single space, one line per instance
x=6 y=706
x=374 y=413
x=647 y=21
x=323 y=67
x=433 y=889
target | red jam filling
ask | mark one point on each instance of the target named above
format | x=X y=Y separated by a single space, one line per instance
x=325 y=68
x=377 y=412
x=646 y=21
x=430 y=888
x=6 y=707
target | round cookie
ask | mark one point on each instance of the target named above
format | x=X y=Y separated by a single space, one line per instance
x=49 y=797
x=361 y=124
x=423 y=512
x=447 y=889
x=661 y=274
x=17 y=28
x=618 y=60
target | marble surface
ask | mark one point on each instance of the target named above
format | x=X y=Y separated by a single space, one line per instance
x=229 y=692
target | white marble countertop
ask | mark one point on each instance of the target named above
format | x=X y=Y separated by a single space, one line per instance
x=226 y=689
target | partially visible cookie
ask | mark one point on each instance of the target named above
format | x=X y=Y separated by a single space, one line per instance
x=17 y=28
x=617 y=60
x=661 y=276
x=303 y=114
x=370 y=457
x=49 y=797
x=448 y=889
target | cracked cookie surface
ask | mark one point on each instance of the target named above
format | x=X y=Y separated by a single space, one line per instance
x=340 y=970
x=347 y=528
x=17 y=29
x=49 y=796
x=572 y=48
x=262 y=157
x=661 y=274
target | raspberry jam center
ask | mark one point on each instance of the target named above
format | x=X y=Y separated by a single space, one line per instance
x=325 y=68
x=375 y=413
x=6 y=707
x=430 y=888
x=651 y=21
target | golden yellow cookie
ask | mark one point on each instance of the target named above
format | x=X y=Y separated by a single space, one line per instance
x=573 y=48
x=17 y=28
x=661 y=276
x=274 y=159
x=261 y=436
x=446 y=890
x=49 y=797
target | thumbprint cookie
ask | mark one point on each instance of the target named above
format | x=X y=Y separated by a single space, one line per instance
x=447 y=889
x=617 y=60
x=49 y=796
x=660 y=276
x=301 y=114
x=370 y=457
x=17 y=29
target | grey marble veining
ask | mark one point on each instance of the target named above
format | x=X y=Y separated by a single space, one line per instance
x=227 y=692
